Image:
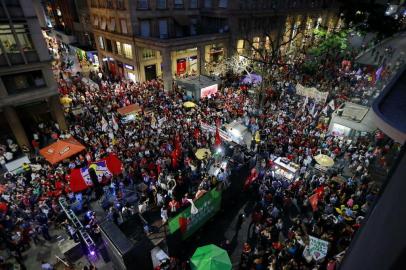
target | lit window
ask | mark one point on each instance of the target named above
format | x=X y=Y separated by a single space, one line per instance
x=148 y=54
x=7 y=39
x=128 y=50
x=96 y=21
x=118 y=45
x=240 y=46
x=101 y=42
x=23 y=36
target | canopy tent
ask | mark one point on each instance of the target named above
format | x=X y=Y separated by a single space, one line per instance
x=61 y=150
x=210 y=257
x=133 y=108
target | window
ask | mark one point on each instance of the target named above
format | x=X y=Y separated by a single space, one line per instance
x=142 y=4
x=193 y=4
x=101 y=42
x=178 y=3
x=103 y=24
x=223 y=3
x=7 y=39
x=240 y=46
x=23 y=36
x=193 y=26
x=96 y=21
x=163 y=28
x=128 y=50
x=93 y=3
x=161 y=4
x=109 y=45
x=112 y=25
x=16 y=83
x=123 y=23
x=148 y=54
x=118 y=46
x=145 y=28
x=207 y=3
x=120 y=4
x=109 y=4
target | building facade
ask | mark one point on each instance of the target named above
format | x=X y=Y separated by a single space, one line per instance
x=28 y=90
x=145 y=39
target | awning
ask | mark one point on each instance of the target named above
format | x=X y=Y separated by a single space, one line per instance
x=61 y=150
x=133 y=108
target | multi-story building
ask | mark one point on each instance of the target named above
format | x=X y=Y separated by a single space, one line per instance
x=28 y=90
x=70 y=21
x=144 y=39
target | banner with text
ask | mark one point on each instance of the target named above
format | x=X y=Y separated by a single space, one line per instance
x=208 y=205
x=311 y=92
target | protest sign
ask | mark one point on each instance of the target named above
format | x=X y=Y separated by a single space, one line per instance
x=317 y=248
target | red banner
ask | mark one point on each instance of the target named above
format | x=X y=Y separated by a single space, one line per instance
x=181 y=66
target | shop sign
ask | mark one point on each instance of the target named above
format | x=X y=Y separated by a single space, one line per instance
x=130 y=67
x=181 y=66
x=208 y=205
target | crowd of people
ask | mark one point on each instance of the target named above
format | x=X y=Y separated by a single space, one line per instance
x=158 y=146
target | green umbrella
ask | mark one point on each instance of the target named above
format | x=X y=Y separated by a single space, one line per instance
x=210 y=257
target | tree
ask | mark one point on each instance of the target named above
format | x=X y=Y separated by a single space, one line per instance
x=261 y=54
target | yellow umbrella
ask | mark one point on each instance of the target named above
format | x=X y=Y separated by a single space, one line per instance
x=324 y=160
x=257 y=137
x=202 y=153
x=189 y=104
x=65 y=100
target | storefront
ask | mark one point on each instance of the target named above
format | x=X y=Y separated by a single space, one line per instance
x=129 y=72
x=186 y=62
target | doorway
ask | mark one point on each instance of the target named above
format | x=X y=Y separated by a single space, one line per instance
x=150 y=72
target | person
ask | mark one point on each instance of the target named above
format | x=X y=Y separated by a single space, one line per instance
x=164 y=214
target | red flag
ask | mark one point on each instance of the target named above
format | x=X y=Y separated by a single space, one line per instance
x=319 y=191
x=314 y=201
x=217 y=141
x=196 y=133
x=79 y=178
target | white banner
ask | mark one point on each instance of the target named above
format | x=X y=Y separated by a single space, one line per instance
x=311 y=92
x=317 y=248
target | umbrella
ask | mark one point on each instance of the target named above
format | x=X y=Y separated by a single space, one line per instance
x=210 y=257
x=324 y=160
x=65 y=100
x=202 y=153
x=189 y=104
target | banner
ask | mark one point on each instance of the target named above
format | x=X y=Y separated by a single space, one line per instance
x=207 y=206
x=181 y=66
x=80 y=179
x=311 y=92
x=208 y=91
x=317 y=248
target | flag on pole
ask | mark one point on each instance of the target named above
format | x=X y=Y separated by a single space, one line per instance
x=325 y=110
x=105 y=124
x=313 y=109
x=378 y=73
x=193 y=208
x=305 y=103
x=332 y=105
x=114 y=121
x=217 y=141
